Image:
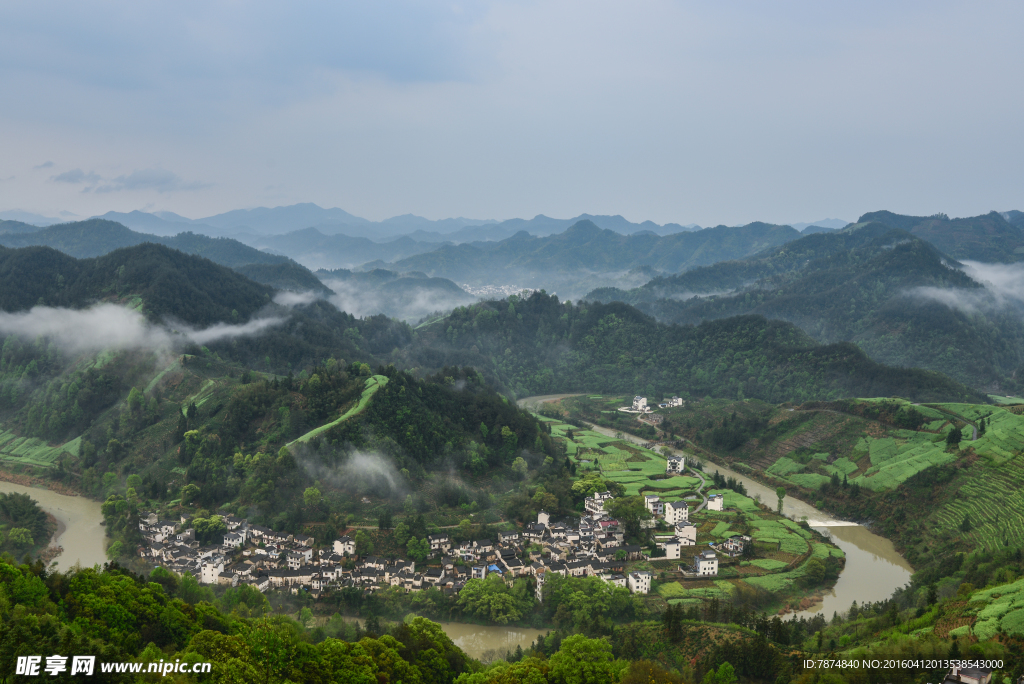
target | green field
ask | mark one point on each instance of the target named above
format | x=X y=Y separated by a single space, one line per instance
x=32 y=451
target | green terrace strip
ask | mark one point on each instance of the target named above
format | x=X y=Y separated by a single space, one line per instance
x=373 y=384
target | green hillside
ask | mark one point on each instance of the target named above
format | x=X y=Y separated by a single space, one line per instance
x=540 y=345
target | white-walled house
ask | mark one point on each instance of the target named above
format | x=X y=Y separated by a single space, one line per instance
x=686 y=533
x=595 y=504
x=640 y=403
x=654 y=504
x=639 y=582
x=716 y=502
x=676 y=512
x=675 y=465
x=211 y=569
x=543 y=518
x=345 y=546
x=672 y=546
x=706 y=563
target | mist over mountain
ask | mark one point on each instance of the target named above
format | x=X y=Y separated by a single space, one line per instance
x=263 y=222
x=895 y=295
x=316 y=250
x=586 y=255
x=408 y=297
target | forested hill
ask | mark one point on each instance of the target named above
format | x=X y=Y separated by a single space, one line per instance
x=586 y=248
x=990 y=238
x=171 y=283
x=877 y=286
x=540 y=345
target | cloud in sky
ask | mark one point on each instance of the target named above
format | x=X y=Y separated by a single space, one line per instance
x=670 y=111
x=44 y=165
x=77 y=176
x=159 y=180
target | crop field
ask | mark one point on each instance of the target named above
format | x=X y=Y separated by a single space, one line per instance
x=768 y=564
x=671 y=590
x=32 y=451
x=785 y=466
x=1000 y=608
x=993 y=499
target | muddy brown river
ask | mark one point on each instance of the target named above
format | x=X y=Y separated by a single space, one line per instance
x=81 y=534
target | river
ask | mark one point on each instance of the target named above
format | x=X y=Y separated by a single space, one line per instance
x=483 y=641
x=79 y=532
x=874 y=569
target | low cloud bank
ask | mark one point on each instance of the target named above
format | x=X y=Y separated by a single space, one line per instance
x=109 y=326
x=410 y=303
x=359 y=471
x=1002 y=288
x=290 y=299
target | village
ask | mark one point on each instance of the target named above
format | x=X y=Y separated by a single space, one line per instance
x=593 y=545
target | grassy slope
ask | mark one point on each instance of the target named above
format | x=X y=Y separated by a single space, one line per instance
x=373 y=384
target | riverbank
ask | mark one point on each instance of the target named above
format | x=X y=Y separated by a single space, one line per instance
x=874 y=569
x=33 y=481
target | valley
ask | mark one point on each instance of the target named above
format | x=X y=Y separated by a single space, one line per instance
x=353 y=448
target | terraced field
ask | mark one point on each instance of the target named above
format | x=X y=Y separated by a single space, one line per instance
x=32 y=451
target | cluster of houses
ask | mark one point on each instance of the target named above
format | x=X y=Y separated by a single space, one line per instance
x=266 y=559
x=640 y=405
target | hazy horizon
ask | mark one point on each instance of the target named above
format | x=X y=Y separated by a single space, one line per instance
x=671 y=112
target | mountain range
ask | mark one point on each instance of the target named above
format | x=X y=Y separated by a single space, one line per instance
x=896 y=295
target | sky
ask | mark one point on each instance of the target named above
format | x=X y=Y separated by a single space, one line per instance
x=708 y=113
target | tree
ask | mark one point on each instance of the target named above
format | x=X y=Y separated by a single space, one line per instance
x=586 y=661
x=385 y=520
x=401 y=534
x=631 y=512
x=519 y=466
x=311 y=497
x=954 y=436
x=418 y=549
x=364 y=545
x=20 y=538
x=781 y=493
x=189 y=493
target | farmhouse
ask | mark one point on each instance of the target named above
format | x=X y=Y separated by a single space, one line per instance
x=675 y=465
x=676 y=512
x=716 y=502
x=705 y=563
x=654 y=504
x=687 y=533
x=639 y=582
x=640 y=404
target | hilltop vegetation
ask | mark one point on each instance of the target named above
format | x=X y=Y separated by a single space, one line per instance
x=539 y=345
x=990 y=238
